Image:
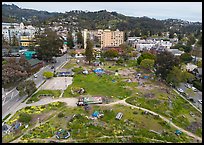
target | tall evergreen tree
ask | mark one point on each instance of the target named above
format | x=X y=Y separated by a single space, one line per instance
x=89 y=51
x=80 y=40
x=70 y=42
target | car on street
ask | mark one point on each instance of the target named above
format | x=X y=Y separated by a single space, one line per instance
x=52 y=67
x=180 y=90
x=194 y=89
x=35 y=76
x=187 y=85
x=200 y=101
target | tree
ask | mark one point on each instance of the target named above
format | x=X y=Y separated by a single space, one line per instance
x=147 y=64
x=24 y=118
x=199 y=63
x=25 y=64
x=12 y=72
x=160 y=34
x=186 y=57
x=145 y=55
x=89 y=51
x=125 y=36
x=70 y=42
x=199 y=42
x=26 y=87
x=49 y=45
x=30 y=87
x=111 y=53
x=126 y=51
x=14 y=41
x=165 y=61
x=191 y=40
x=48 y=74
x=80 y=39
x=186 y=49
x=176 y=76
x=171 y=34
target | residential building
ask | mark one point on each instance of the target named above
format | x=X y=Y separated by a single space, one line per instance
x=9 y=30
x=26 y=40
x=111 y=38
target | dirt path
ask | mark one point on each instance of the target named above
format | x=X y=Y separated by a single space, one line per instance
x=101 y=137
x=123 y=102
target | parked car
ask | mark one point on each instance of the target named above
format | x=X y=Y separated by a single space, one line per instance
x=52 y=67
x=180 y=90
x=35 y=76
x=187 y=85
x=200 y=101
x=194 y=89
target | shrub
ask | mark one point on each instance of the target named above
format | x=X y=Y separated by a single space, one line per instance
x=197 y=84
x=25 y=118
x=60 y=115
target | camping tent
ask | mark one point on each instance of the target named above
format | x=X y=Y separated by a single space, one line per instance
x=95 y=114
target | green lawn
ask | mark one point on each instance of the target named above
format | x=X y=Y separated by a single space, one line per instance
x=161 y=105
x=70 y=64
x=101 y=86
x=35 y=97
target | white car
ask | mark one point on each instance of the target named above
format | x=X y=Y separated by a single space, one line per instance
x=35 y=76
x=194 y=89
x=180 y=90
x=200 y=101
x=187 y=85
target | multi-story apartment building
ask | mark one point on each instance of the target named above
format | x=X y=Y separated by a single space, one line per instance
x=106 y=37
x=111 y=38
x=9 y=30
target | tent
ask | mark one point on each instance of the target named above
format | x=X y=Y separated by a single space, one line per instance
x=98 y=70
x=95 y=114
x=146 y=77
x=178 y=132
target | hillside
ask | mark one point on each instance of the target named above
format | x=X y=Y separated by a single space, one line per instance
x=97 y=20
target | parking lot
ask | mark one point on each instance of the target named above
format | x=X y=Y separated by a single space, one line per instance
x=57 y=83
x=195 y=95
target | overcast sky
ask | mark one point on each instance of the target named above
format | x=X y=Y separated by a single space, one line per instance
x=191 y=11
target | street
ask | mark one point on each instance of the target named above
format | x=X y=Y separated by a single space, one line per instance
x=195 y=95
x=12 y=99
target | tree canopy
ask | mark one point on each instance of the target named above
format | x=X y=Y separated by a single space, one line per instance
x=165 y=61
x=48 y=74
x=49 y=45
x=89 y=51
x=147 y=64
x=145 y=55
x=176 y=76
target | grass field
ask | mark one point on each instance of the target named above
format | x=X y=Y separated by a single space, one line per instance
x=35 y=97
x=179 y=110
x=101 y=86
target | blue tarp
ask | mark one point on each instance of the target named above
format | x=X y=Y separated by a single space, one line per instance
x=98 y=71
x=146 y=77
x=95 y=114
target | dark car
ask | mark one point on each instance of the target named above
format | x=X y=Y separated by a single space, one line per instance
x=52 y=67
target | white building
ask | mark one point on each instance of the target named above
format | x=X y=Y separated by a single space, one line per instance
x=85 y=36
x=11 y=29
